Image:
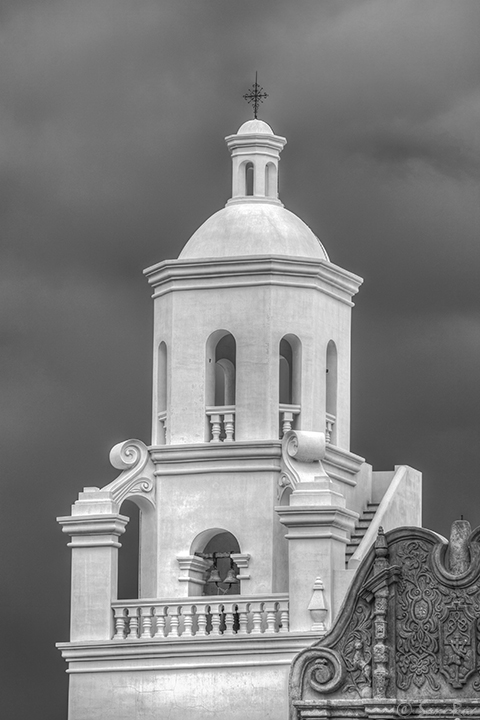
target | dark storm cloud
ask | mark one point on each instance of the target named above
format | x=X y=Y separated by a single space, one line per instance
x=112 y=118
x=441 y=153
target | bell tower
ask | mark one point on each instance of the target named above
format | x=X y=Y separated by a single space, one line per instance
x=251 y=342
x=254 y=513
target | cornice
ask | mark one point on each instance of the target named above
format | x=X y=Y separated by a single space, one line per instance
x=237 y=651
x=261 y=456
x=260 y=270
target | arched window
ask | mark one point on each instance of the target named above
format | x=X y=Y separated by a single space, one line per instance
x=286 y=366
x=289 y=390
x=220 y=387
x=270 y=180
x=128 y=557
x=220 y=370
x=162 y=393
x=217 y=545
x=249 y=184
x=331 y=393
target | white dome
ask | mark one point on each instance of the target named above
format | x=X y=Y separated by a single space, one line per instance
x=255 y=126
x=245 y=228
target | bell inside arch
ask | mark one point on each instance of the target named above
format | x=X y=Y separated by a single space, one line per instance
x=214 y=576
x=231 y=577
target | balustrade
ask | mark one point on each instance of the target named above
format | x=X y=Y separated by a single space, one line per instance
x=287 y=417
x=222 y=423
x=329 y=425
x=200 y=617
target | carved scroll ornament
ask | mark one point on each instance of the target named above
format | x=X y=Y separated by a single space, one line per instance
x=302 y=453
x=137 y=478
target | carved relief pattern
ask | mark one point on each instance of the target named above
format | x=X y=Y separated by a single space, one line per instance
x=417 y=619
x=356 y=650
x=437 y=625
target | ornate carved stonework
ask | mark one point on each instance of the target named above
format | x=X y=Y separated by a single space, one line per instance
x=138 y=476
x=407 y=641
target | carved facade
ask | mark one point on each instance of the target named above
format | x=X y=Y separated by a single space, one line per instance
x=407 y=640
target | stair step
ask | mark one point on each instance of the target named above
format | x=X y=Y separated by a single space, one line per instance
x=363 y=523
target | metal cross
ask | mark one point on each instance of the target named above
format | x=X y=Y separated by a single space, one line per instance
x=255 y=96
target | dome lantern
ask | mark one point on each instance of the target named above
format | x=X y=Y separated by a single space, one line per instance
x=255 y=151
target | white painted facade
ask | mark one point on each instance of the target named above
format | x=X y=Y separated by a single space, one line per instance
x=250 y=465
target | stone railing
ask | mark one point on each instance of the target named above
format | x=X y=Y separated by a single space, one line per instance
x=169 y=619
x=287 y=416
x=222 y=422
x=329 y=425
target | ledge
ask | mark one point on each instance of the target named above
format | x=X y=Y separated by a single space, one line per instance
x=255 y=456
x=154 y=654
x=244 y=271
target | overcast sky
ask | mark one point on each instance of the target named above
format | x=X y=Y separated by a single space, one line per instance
x=112 y=116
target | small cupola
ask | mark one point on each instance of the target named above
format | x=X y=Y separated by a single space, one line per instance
x=255 y=151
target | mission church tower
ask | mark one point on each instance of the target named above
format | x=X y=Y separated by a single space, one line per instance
x=254 y=513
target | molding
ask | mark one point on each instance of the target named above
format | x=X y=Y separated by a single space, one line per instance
x=342 y=465
x=93 y=530
x=208 y=458
x=190 y=653
x=193 y=568
x=320 y=518
x=320 y=275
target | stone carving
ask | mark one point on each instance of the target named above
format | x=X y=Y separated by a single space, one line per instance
x=457 y=645
x=302 y=453
x=417 y=623
x=408 y=635
x=138 y=476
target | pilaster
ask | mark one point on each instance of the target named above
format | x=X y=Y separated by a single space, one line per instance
x=94 y=528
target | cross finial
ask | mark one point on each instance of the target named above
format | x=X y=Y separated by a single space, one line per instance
x=255 y=96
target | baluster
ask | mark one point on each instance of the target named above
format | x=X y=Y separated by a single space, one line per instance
x=187 y=621
x=174 y=622
x=146 y=615
x=229 y=620
x=257 y=619
x=120 y=624
x=329 y=425
x=133 y=622
x=283 y=628
x=243 y=622
x=216 y=427
x=229 y=425
x=202 y=621
x=287 y=421
x=216 y=620
x=271 y=617
x=160 y=631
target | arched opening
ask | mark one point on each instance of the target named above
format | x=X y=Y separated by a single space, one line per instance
x=331 y=393
x=128 y=556
x=286 y=366
x=289 y=391
x=217 y=546
x=249 y=181
x=270 y=180
x=220 y=386
x=162 y=393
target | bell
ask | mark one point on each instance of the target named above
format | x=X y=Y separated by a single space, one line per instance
x=214 y=576
x=231 y=578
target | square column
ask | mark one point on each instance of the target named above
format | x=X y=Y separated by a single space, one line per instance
x=94 y=530
x=319 y=526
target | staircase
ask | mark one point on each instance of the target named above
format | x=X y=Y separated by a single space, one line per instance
x=360 y=529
